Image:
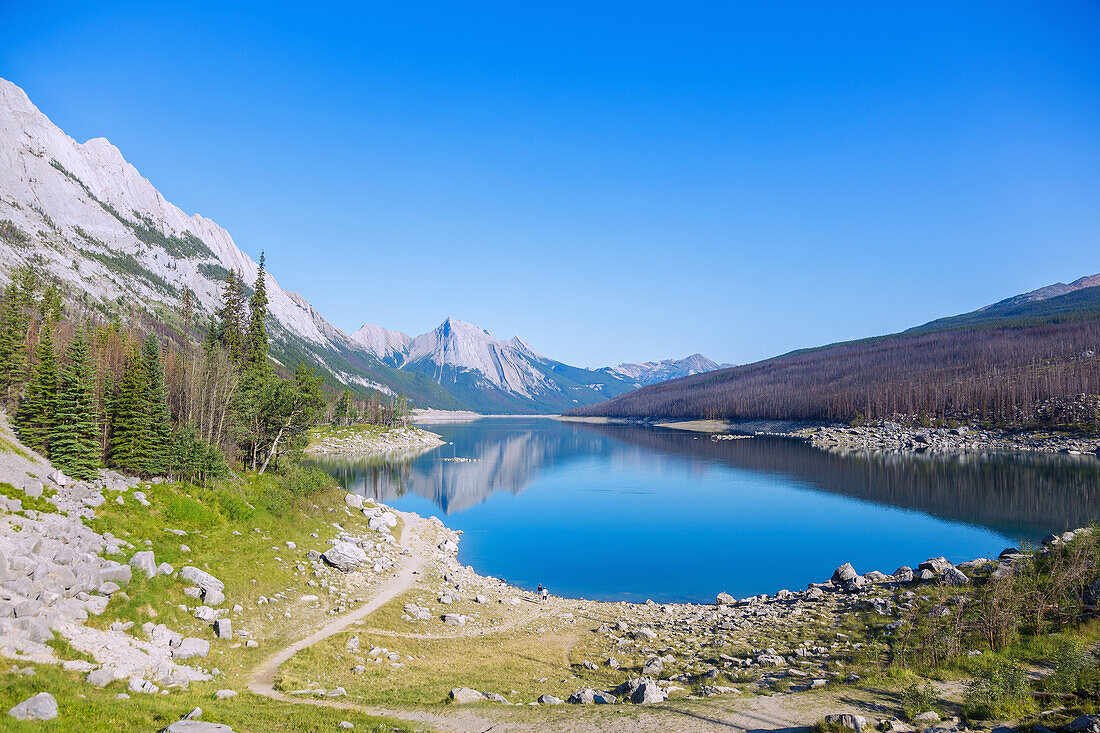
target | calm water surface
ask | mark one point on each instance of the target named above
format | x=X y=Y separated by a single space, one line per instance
x=630 y=513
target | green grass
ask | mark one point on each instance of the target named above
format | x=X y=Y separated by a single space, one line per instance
x=91 y=710
x=38 y=504
x=267 y=512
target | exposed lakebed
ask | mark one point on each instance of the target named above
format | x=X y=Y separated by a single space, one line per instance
x=621 y=512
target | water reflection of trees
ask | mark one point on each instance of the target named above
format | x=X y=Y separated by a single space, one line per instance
x=506 y=458
x=1019 y=494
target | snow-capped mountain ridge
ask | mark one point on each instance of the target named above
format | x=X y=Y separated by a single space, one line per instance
x=80 y=213
x=651 y=372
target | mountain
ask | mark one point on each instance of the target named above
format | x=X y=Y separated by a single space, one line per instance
x=486 y=374
x=80 y=213
x=651 y=372
x=1079 y=299
x=1023 y=360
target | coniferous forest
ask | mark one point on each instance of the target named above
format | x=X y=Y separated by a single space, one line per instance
x=186 y=402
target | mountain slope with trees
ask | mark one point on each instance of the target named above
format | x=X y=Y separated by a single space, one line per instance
x=1023 y=361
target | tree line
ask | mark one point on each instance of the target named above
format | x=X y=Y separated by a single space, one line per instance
x=86 y=393
x=1046 y=374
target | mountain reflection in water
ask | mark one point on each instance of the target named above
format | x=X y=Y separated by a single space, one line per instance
x=1018 y=495
x=627 y=512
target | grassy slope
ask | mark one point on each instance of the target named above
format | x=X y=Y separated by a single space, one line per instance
x=251 y=564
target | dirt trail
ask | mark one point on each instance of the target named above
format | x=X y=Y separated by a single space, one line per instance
x=779 y=712
x=262 y=681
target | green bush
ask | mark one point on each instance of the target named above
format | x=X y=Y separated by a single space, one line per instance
x=291 y=485
x=916 y=700
x=998 y=691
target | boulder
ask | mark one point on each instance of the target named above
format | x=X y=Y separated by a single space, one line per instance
x=144 y=562
x=448 y=546
x=223 y=628
x=929 y=716
x=954 y=576
x=100 y=677
x=724 y=599
x=205 y=614
x=642 y=691
x=463 y=695
x=191 y=647
x=33 y=488
x=844 y=574
x=42 y=706
x=1083 y=724
x=344 y=556
x=847 y=720
x=225 y=694
x=201 y=578
x=116 y=572
x=653 y=667
x=549 y=700
x=589 y=696
x=355 y=501
x=938 y=565
x=58 y=478
x=454 y=619
x=904 y=574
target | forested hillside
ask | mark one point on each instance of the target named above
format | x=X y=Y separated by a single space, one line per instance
x=1019 y=363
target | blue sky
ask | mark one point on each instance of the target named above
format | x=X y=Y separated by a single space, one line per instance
x=615 y=181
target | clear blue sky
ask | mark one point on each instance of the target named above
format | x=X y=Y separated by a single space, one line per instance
x=612 y=181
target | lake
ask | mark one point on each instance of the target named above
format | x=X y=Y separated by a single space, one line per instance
x=620 y=512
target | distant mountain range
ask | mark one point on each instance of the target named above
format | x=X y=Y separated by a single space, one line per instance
x=651 y=372
x=491 y=375
x=82 y=214
x=1023 y=360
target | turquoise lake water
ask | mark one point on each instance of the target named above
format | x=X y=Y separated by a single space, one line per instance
x=631 y=513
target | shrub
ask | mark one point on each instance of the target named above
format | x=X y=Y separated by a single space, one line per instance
x=916 y=700
x=291 y=485
x=997 y=691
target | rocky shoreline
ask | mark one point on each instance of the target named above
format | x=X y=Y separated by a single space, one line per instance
x=365 y=440
x=895 y=438
x=671 y=650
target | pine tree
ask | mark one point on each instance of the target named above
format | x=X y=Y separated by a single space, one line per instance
x=37 y=410
x=340 y=411
x=156 y=401
x=129 y=446
x=16 y=306
x=188 y=311
x=257 y=329
x=74 y=445
x=230 y=322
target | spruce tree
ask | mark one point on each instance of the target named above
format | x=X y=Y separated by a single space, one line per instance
x=156 y=401
x=37 y=410
x=257 y=328
x=74 y=445
x=129 y=435
x=340 y=411
x=16 y=306
x=231 y=317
